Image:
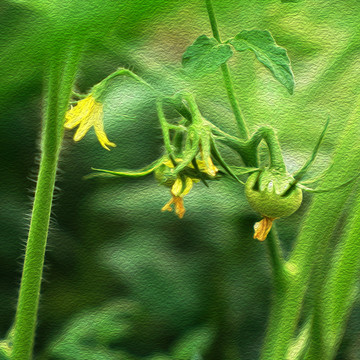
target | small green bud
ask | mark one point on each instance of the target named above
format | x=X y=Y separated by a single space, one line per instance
x=165 y=175
x=267 y=193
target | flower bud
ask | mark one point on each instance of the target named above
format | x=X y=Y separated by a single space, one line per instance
x=164 y=174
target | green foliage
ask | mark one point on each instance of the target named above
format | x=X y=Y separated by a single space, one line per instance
x=308 y=255
x=5 y=350
x=111 y=246
x=91 y=334
x=268 y=53
x=205 y=56
x=193 y=344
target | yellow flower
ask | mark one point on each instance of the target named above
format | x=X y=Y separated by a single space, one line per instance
x=87 y=113
x=207 y=166
x=183 y=183
x=262 y=228
x=178 y=191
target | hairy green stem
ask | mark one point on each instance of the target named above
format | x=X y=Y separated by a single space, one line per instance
x=60 y=80
x=196 y=117
x=244 y=133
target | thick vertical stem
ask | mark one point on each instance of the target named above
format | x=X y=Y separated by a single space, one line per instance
x=61 y=76
x=337 y=294
x=315 y=233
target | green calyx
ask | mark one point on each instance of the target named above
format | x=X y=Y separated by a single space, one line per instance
x=165 y=175
x=268 y=193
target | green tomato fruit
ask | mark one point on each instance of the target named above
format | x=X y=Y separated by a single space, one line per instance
x=266 y=193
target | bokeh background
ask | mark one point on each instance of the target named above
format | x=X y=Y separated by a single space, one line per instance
x=123 y=280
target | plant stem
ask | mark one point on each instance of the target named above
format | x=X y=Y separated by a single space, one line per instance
x=277 y=259
x=248 y=149
x=99 y=88
x=337 y=294
x=315 y=233
x=164 y=126
x=268 y=134
x=61 y=76
x=196 y=117
x=244 y=133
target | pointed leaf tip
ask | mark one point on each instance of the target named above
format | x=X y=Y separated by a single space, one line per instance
x=266 y=50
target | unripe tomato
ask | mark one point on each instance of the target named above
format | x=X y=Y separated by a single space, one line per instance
x=266 y=193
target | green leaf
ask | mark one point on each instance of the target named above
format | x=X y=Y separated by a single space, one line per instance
x=135 y=173
x=205 y=55
x=268 y=53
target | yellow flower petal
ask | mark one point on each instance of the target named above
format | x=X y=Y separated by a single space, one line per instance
x=88 y=121
x=167 y=206
x=82 y=109
x=179 y=207
x=177 y=187
x=87 y=113
x=178 y=202
x=211 y=169
x=188 y=186
x=207 y=166
x=181 y=189
x=100 y=134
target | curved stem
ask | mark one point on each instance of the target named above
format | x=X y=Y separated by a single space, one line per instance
x=121 y=72
x=267 y=133
x=61 y=76
x=244 y=133
x=248 y=149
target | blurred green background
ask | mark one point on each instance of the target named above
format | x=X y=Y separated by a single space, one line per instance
x=123 y=280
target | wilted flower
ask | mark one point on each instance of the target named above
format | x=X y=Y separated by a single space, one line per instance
x=182 y=183
x=179 y=189
x=262 y=228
